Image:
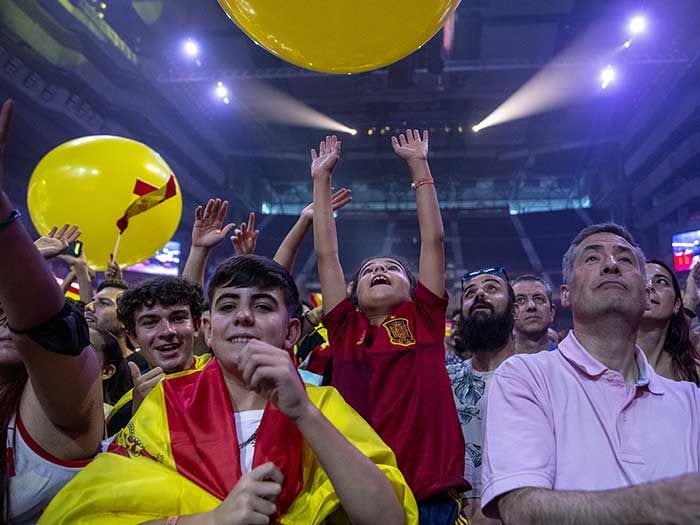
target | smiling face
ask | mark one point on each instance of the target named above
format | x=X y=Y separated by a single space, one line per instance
x=536 y=313
x=165 y=335
x=607 y=280
x=663 y=302
x=382 y=284
x=237 y=315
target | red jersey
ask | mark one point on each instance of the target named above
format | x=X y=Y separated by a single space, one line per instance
x=394 y=375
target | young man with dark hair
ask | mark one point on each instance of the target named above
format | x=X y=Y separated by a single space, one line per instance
x=533 y=295
x=243 y=440
x=161 y=316
x=590 y=433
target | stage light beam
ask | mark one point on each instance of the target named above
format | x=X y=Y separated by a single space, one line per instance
x=221 y=90
x=637 y=25
x=607 y=76
x=190 y=48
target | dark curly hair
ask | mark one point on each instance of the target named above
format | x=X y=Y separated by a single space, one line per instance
x=402 y=262
x=684 y=356
x=247 y=271
x=165 y=291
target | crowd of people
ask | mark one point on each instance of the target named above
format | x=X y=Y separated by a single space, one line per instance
x=155 y=402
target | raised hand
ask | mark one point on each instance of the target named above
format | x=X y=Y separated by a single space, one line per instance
x=113 y=271
x=323 y=162
x=5 y=121
x=56 y=241
x=269 y=371
x=79 y=261
x=253 y=499
x=208 y=229
x=245 y=237
x=339 y=199
x=411 y=147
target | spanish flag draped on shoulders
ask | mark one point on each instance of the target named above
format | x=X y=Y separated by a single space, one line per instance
x=179 y=455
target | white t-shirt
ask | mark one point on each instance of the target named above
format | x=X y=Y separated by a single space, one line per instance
x=247 y=424
x=35 y=475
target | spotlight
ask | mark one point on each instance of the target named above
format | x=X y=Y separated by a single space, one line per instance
x=221 y=90
x=370 y=132
x=637 y=25
x=475 y=129
x=227 y=100
x=190 y=48
x=353 y=132
x=460 y=129
x=627 y=44
x=607 y=76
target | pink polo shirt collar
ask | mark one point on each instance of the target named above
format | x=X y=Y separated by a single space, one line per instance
x=578 y=356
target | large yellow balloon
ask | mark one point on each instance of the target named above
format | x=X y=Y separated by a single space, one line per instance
x=90 y=182
x=340 y=36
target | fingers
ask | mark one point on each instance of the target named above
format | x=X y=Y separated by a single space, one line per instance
x=198 y=213
x=227 y=229
x=150 y=376
x=403 y=141
x=267 y=472
x=52 y=232
x=223 y=211
x=133 y=370
x=314 y=155
x=251 y=221
x=340 y=198
x=72 y=234
x=208 y=209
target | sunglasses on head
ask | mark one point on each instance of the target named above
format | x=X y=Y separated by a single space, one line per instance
x=491 y=270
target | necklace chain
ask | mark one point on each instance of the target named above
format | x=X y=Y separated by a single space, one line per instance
x=249 y=441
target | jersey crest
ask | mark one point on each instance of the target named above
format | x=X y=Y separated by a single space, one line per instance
x=399 y=332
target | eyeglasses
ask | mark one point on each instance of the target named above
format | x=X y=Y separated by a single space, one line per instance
x=491 y=270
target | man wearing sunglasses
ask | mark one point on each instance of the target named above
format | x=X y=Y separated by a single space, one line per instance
x=485 y=331
x=590 y=433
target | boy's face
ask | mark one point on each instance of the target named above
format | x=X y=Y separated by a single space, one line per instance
x=165 y=335
x=238 y=315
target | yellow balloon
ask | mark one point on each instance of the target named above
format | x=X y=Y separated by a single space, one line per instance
x=340 y=36
x=90 y=182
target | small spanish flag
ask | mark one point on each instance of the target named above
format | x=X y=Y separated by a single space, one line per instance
x=149 y=197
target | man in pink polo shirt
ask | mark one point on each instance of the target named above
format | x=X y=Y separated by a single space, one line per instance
x=591 y=434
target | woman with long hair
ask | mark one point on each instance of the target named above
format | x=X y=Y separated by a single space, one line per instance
x=664 y=333
x=51 y=419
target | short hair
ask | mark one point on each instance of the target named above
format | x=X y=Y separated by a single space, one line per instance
x=166 y=291
x=248 y=271
x=404 y=264
x=567 y=265
x=112 y=283
x=529 y=277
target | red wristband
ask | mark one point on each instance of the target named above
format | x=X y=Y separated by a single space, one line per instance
x=417 y=184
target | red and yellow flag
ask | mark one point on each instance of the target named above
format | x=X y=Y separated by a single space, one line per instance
x=149 y=197
x=178 y=456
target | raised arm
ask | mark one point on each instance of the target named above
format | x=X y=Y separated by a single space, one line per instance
x=414 y=151
x=81 y=271
x=669 y=501
x=325 y=236
x=208 y=231
x=288 y=250
x=64 y=393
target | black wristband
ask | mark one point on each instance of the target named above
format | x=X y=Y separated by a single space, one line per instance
x=689 y=313
x=14 y=215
